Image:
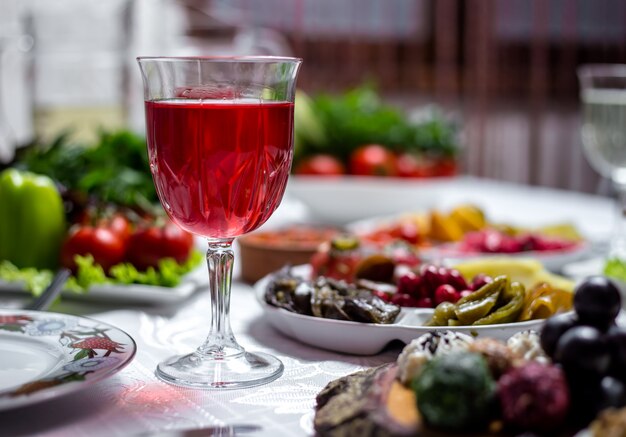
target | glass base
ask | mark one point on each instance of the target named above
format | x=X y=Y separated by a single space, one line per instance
x=203 y=371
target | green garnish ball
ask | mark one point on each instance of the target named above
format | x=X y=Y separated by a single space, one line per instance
x=455 y=391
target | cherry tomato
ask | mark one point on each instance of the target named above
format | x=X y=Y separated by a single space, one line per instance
x=409 y=165
x=148 y=245
x=407 y=231
x=118 y=224
x=106 y=247
x=320 y=165
x=445 y=167
x=373 y=160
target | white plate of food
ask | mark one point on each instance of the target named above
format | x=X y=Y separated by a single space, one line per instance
x=553 y=260
x=46 y=355
x=464 y=233
x=368 y=338
x=340 y=200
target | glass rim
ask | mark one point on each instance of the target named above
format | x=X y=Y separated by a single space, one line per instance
x=601 y=70
x=252 y=59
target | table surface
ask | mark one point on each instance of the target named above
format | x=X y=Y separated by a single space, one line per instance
x=135 y=402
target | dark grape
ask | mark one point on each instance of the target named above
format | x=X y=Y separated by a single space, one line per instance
x=552 y=330
x=597 y=302
x=586 y=397
x=582 y=350
x=616 y=339
x=613 y=393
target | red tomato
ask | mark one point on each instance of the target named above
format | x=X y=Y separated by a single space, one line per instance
x=118 y=224
x=407 y=231
x=103 y=244
x=445 y=167
x=148 y=245
x=409 y=165
x=373 y=160
x=320 y=165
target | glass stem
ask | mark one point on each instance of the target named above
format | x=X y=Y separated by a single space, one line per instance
x=221 y=343
x=618 y=240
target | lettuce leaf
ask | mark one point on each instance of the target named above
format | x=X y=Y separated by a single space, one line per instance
x=33 y=279
x=168 y=274
x=615 y=268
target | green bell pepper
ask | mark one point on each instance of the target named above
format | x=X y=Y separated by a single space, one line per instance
x=32 y=220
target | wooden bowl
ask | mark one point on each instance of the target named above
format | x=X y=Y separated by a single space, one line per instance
x=264 y=252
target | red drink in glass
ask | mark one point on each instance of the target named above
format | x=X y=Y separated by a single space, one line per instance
x=220 y=140
x=220 y=167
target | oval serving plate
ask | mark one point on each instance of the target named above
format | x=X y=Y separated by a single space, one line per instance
x=46 y=355
x=368 y=338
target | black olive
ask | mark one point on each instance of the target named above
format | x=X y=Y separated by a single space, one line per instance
x=597 y=302
x=583 y=350
x=552 y=330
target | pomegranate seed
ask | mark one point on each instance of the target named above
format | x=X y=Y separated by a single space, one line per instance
x=400 y=299
x=479 y=281
x=424 y=302
x=446 y=293
x=465 y=293
x=457 y=280
x=384 y=296
x=431 y=277
x=409 y=283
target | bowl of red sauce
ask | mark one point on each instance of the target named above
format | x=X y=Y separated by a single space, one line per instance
x=266 y=251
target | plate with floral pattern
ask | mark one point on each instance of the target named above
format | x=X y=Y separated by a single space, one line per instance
x=45 y=355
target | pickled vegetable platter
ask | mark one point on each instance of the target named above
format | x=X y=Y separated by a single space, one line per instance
x=364 y=323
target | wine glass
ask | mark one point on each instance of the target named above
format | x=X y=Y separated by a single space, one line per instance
x=603 y=95
x=220 y=143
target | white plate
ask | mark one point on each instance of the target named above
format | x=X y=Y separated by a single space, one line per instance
x=340 y=200
x=553 y=260
x=132 y=293
x=46 y=355
x=368 y=338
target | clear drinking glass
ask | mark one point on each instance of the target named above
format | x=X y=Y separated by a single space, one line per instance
x=603 y=95
x=220 y=142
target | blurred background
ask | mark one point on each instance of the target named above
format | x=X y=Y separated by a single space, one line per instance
x=504 y=70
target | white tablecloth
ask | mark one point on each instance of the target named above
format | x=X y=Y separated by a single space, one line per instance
x=134 y=401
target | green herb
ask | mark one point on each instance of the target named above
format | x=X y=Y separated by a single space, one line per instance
x=169 y=274
x=115 y=169
x=615 y=268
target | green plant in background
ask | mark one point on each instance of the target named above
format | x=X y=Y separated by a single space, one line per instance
x=337 y=125
x=115 y=169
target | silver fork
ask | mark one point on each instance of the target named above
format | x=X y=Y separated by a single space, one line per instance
x=43 y=301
